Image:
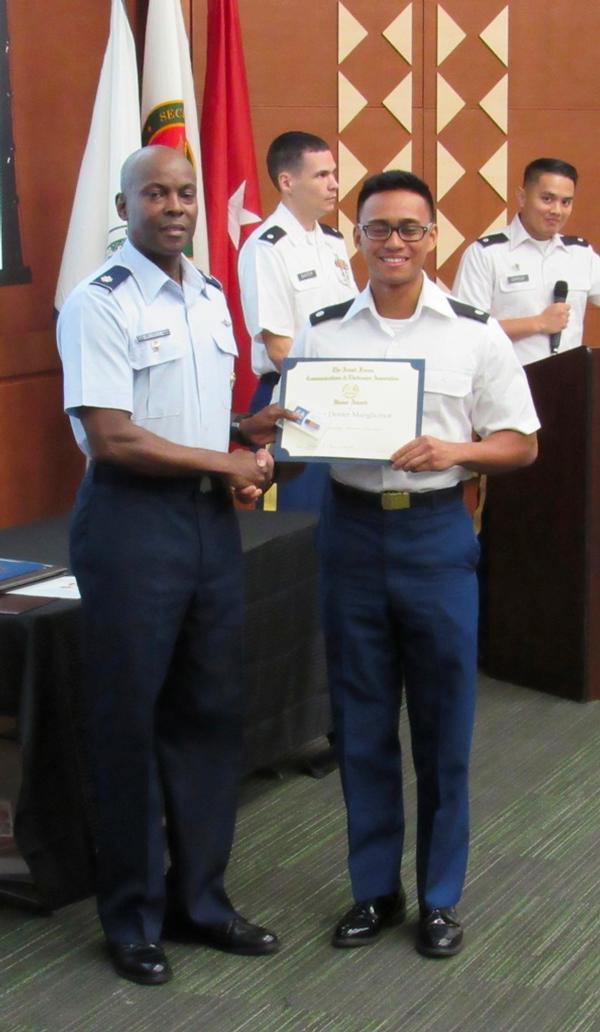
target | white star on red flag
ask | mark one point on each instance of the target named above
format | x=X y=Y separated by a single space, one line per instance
x=237 y=215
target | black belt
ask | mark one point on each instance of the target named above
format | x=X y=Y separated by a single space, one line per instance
x=107 y=473
x=392 y=501
x=272 y=379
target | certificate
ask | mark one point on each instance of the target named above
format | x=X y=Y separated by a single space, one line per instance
x=349 y=409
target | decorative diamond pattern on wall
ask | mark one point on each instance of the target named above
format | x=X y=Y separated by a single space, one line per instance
x=375 y=95
x=495 y=171
x=495 y=103
x=399 y=102
x=350 y=32
x=350 y=101
x=401 y=160
x=350 y=170
x=449 y=103
x=424 y=86
x=495 y=36
x=449 y=35
x=400 y=34
x=472 y=124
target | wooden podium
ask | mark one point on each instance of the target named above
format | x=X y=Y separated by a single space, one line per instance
x=541 y=625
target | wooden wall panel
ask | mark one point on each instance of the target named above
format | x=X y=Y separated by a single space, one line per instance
x=54 y=65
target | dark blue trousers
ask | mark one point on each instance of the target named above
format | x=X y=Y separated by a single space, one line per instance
x=400 y=609
x=158 y=563
x=305 y=492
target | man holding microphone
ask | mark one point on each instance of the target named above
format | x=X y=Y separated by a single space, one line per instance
x=534 y=279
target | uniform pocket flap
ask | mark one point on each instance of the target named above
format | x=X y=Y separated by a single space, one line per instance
x=224 y=339
x=447 y=381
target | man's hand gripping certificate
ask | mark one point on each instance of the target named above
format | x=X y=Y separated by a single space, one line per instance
x=356 y=410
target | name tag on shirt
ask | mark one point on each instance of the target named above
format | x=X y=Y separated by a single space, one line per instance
x=154 y=337
x=310 y=274
x=523 y=278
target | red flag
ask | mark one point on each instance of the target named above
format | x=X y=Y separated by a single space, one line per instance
x=230 y=179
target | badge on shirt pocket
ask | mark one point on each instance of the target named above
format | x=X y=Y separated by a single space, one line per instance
x=153 y=348
x=343 y=271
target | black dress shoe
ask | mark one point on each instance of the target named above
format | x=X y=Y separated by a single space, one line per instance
x=143 y=962
x=235 y=936
x=364 y=921
x=440 y=932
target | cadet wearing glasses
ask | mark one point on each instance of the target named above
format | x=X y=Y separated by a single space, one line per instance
x=398 y=565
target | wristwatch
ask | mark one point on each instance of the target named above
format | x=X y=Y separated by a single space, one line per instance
x=236 y=436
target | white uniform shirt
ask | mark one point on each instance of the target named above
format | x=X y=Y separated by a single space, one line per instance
x=284 y=276
x=163 y=352
x=515 y=277
x=472 y=379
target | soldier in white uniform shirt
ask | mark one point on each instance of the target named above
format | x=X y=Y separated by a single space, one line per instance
x=148 y=355
x=399 y=557
x=512 y=273
x=290 y=266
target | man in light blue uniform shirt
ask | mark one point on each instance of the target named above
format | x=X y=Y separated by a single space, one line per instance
x=148 y=357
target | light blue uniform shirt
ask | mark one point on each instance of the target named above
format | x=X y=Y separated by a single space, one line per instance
x=163 y=352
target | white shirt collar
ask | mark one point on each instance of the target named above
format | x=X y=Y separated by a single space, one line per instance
x=431 y=297
x=298 y=234
x=518 y=235
x=150 y=278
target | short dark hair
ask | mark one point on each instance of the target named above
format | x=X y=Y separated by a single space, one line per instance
x=395 y=179
x=287 y=152
x=555 y=166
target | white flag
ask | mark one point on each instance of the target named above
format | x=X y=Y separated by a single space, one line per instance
x=169 y=114
x=95 y=229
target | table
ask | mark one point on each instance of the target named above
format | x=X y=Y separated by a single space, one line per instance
x=285 y=676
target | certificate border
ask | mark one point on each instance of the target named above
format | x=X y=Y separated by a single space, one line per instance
x=282 y=455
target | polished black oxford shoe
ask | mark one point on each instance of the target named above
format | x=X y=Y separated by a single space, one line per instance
x=236 y=936
x=440 y=932
x=142 y=962
x=364 y=921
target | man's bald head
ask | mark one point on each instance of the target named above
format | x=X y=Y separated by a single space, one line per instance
x=144 y=160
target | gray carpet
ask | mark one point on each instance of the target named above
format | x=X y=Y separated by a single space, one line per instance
x=531 y=909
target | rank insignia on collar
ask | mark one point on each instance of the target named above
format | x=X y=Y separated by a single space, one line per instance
x=112 y=278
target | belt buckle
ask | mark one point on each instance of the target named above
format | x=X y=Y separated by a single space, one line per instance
x=391 y=501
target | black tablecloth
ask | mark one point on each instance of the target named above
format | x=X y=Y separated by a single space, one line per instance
x=40 y=676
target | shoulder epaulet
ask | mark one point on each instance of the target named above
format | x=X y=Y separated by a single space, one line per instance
x=493 y=238
x=575 y=241
x=468 y=311
x=112 y=278
x=330 y=231
x=214 y=282
x=273 y=234
x=331 y=312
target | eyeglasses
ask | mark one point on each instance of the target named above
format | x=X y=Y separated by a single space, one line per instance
x=411 y=232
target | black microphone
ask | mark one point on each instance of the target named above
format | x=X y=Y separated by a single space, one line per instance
x=561 y=289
